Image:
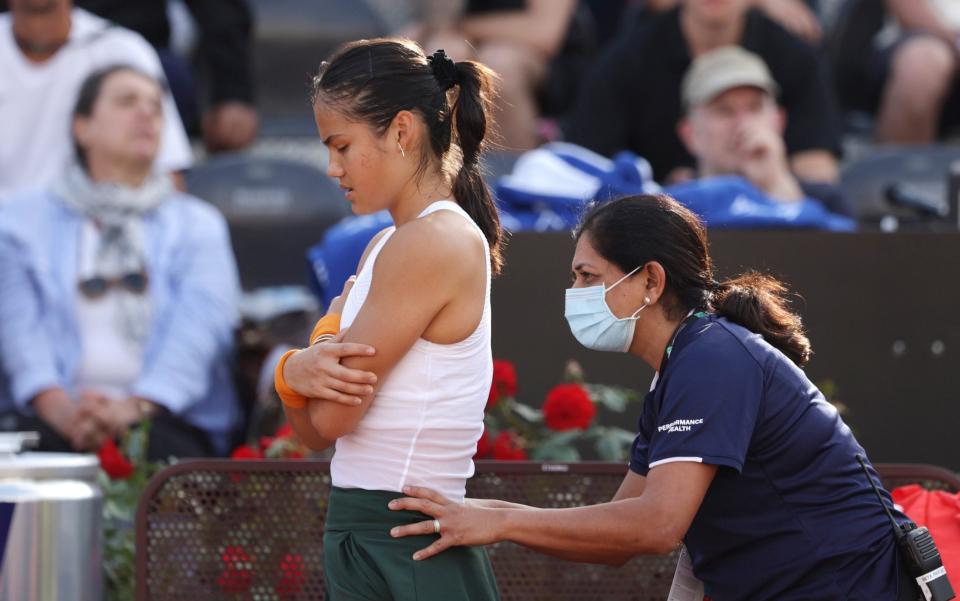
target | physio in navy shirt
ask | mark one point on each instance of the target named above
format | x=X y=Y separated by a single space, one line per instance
x=789 y=514
x=738 y=455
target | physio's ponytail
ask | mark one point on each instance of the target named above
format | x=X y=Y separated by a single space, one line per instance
x=758 y=302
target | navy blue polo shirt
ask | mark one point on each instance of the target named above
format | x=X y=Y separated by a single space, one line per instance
x=790 y=514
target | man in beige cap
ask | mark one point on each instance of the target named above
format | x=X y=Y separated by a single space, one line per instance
x=733 y=126
x=630 y=98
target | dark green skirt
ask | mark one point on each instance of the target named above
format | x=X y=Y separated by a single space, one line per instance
x=362 y=562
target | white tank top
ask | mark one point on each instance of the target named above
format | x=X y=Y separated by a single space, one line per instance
x=423 y=425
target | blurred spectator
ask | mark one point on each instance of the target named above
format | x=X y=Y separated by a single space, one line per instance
x=119 y=293
x=608 y=16
x=519 y=39
x=47 y=48
x=230 y=121
x=798 y=16
x=631 y=97
x=912 y=69
x=733 y=126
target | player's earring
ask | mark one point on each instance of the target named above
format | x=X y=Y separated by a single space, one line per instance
x=402 y=153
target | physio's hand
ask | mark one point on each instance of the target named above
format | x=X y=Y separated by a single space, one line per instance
x=460 y=524
x=316 y=373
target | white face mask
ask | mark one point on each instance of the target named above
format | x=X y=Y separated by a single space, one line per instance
x=593 y=323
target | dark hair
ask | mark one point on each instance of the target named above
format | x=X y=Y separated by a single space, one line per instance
x=635 y=230
x=89 y=93
x=373 y=80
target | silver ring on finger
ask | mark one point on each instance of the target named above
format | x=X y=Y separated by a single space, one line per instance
x=436 y=526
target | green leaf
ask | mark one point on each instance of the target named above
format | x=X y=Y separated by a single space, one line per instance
x=623 y=436
x=527 y=412
x=558 y=447
x=135 y=442
x=562 y=438
x=593 y=432
x=614 y=398
x=562 y=454
x=610 y=449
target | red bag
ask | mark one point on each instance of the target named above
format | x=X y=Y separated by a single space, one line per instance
x=939 y=511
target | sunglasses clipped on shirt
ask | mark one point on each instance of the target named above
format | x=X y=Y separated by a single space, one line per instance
x=95 y=287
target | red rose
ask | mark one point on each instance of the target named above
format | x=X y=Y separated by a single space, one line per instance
x=508 y=446
x=246 y=452
x=483 y=446
x=568 y=406
x=504 y=382
x=113 y=462
x=291 y=575
x=236 y=576
x=285 y=431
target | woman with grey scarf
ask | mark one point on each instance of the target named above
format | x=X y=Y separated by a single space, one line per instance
x=119 y=292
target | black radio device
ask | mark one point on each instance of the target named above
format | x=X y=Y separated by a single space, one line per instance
x=918 y=552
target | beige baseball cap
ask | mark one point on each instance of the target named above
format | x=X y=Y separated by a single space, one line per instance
x=722 y=69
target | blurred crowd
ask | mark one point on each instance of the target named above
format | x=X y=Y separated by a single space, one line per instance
x=120 y=288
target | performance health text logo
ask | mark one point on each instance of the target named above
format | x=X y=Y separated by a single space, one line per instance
x=680 y=425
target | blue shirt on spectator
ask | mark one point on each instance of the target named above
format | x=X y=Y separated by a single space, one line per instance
x=732 y=201
x=194 y=292
x=790 y=515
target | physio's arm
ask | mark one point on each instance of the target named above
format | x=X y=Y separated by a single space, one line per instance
x=632 y=486
x=654 y=522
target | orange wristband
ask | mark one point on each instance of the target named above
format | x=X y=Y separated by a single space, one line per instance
x=288 y=396
x=328 y=324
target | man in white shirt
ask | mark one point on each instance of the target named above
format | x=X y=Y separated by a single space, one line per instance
x=47 y=48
